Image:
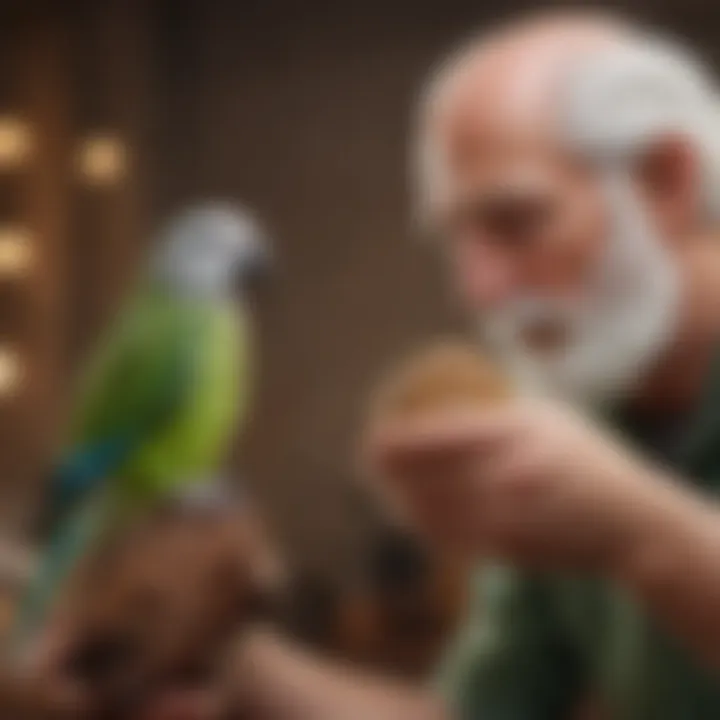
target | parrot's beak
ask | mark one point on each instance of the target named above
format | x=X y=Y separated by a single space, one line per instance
x=257 y=273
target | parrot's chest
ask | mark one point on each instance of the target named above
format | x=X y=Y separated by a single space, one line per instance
x=203 y=428
x=197 y=440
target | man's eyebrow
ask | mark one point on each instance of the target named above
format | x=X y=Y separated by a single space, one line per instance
x=502 y=196
x=479 y=201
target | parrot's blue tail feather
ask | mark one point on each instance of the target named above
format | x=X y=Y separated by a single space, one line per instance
x=66 y=548
x=76 y=476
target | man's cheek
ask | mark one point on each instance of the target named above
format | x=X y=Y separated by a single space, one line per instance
x=559 y=265
x=568 y=249
x=483 y=276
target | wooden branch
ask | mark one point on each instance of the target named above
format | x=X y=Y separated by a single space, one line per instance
x=17 y=564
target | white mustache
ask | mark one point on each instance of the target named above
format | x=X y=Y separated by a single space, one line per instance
x=522 y=314
x=626 y=316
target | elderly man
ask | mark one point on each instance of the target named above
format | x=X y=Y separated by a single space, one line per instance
x=571 y=169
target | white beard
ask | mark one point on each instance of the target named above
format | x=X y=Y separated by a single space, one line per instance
x=628 y=319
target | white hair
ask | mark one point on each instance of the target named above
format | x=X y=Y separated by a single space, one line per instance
x=615 y=102
x=623 y=98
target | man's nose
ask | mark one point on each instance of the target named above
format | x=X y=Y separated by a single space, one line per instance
x=484 y=277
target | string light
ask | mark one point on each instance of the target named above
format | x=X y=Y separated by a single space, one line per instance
x=7 y=613
x=16 y=251
x=15 y=142
x=102 y=160
x=11 y=372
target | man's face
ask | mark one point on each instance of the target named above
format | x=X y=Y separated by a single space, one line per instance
x=519 y=221
x=562 y=267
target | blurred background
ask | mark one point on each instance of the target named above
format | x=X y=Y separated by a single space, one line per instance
x=115 y=113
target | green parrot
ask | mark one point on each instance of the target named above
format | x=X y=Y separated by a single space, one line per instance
x=162 y=398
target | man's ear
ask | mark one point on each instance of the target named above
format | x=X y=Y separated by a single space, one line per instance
x=670 y=179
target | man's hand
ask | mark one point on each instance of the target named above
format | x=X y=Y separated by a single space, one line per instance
x=530 y=482
x=184 y=704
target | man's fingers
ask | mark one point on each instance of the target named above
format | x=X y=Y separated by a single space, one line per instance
x=445 y=432
x=184 y=705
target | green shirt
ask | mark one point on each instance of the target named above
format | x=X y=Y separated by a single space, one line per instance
x=534 y=646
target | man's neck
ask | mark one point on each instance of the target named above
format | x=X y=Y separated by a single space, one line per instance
x=679 y=377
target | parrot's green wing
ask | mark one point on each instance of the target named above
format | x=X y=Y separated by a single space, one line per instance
x=195 y=445
x=156 y=411
x=134 y=387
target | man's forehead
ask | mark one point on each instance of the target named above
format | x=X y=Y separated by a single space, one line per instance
x=514 y=182
x=505 y=92
x=484 y=106
x=496 y=165
x=497 y=143
x=523 y=58
x=490 y=132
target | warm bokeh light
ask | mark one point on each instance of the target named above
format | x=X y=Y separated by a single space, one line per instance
x=7 y=613
x=16 y=251
x=102 y=160
x=11 y=372
x=15 y=142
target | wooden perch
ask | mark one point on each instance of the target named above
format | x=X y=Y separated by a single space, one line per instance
x=17 y=564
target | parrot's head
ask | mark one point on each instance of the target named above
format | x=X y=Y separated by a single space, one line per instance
x=207 y=249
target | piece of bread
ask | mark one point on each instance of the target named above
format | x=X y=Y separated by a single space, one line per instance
x=445 y=375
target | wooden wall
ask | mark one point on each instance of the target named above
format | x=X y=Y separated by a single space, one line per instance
x=300 y=109
x=69 y=74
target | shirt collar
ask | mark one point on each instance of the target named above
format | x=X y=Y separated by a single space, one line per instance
x=698 y=454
